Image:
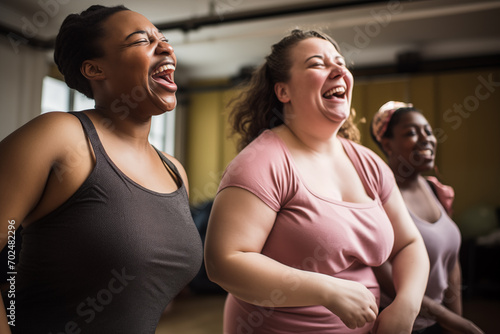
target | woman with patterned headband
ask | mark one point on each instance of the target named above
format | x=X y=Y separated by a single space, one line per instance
x=406 y=138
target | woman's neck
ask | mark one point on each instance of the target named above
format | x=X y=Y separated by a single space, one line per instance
x=407 y=182
x=124 y=125
x=313 y=141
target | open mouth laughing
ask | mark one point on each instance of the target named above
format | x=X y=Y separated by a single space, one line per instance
x=338 y=92
x=426 y=153
x=164 y=76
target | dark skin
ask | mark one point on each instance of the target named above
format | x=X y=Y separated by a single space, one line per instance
x=411 y=151
x=45 y=161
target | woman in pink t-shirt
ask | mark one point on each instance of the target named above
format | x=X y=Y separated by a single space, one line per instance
x=406 y=138
x=303 y=212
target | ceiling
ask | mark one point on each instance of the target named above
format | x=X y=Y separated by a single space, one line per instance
x=217 y=38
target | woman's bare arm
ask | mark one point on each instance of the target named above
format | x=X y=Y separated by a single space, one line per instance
x=27 y=158
x=410 y=269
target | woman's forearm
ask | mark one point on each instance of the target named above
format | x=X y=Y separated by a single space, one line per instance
x=453 y=295
x=257 y=279
x=260 y=280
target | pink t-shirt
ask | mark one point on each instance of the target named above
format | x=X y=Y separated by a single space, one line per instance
x=311 y=232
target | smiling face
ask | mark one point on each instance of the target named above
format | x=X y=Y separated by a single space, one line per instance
x=412 y=144
x=320 y=86
x=138 y=63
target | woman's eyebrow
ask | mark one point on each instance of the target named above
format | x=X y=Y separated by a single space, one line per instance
x=415 y=125
x=136 y=32
x=315 y=56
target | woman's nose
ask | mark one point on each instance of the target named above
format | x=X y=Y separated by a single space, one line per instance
x=426 y=136
x=338 y=71
x=164 y=47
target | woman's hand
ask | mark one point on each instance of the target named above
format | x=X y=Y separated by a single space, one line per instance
x=353 y=303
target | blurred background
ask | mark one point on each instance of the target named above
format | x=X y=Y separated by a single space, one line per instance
x=441 y=55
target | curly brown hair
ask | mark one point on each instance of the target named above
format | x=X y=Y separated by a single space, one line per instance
x=257 y=108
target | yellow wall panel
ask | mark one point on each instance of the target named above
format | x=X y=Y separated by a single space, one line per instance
x=468 y=114
x=373 y=95
x=229 y=142
x=362 y=114
x=203 y=145
x=422 y=91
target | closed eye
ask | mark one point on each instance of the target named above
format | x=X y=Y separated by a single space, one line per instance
x=152 y=39
x=140 y=41
x=340 y=61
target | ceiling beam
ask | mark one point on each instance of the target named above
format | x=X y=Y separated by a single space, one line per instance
x=221 y=17
x=17 y=38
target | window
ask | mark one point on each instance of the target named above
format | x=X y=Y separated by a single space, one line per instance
x=78 y=101
x=57 y=96
x=162 y=134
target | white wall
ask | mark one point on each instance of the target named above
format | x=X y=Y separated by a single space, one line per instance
x=21 y=74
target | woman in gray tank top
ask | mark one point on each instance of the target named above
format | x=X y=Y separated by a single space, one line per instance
x=108 y=238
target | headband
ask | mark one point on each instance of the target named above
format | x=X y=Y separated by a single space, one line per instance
x=384 y=115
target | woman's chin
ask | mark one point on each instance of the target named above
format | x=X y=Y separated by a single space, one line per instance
x=170 y=102
x=338 y=117
x=167 y=103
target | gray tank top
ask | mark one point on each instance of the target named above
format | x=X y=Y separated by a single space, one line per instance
x=109 y=259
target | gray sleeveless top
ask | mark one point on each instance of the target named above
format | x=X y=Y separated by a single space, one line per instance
x=109 y=259
x=442 y=240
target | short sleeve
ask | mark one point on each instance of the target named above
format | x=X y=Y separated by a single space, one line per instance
x=263 y=169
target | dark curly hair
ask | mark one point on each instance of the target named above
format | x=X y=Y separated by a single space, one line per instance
x=78 y=40
x=257 y=108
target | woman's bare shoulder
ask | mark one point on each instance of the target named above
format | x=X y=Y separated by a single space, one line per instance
x=49 y=133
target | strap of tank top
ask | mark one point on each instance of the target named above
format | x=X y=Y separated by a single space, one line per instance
x=90 y=131
x=171 y=166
